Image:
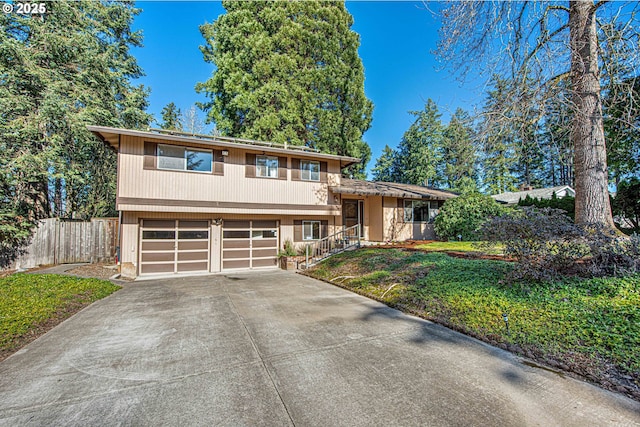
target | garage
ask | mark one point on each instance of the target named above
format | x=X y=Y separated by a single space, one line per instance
x=174 y=246
x=249 y=244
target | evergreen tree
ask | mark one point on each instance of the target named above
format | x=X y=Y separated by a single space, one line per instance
x=459 y=152
x=420 y=151
x=386 y=166
x=288 y=72
x=171 y=117
x=555 y=137
x=63 y=70
x=622 y=129
x=499 y=159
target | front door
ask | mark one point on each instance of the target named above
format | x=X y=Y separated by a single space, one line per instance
x=353 y=213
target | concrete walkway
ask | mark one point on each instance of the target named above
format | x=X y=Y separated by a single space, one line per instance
x=275 y=348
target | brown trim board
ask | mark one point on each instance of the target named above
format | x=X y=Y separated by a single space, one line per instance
x=212 y=204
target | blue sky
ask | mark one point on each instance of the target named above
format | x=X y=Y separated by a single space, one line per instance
x=396 y=40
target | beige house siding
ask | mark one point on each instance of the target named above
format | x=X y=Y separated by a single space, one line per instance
x=395 y=229
x=376 y=219
x=148 y=189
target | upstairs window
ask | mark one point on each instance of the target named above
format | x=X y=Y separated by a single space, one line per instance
x=420 y=210
x=184 y=159
x=309 y=170
x=267 y=166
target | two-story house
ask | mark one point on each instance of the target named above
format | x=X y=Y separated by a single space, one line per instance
x=207 y=204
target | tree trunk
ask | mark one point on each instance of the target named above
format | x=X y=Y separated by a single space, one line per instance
x=590 y=157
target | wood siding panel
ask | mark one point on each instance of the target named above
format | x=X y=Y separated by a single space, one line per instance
x=231 y=181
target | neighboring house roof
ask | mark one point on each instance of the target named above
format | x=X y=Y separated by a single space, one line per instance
x=112 y=137
x=390 y=189
x=512 y=198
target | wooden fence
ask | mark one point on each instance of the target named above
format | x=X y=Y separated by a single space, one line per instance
x=59 y=241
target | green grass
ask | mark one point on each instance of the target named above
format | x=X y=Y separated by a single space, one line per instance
x=30 y=301
x=594 y=322
x=458 y=247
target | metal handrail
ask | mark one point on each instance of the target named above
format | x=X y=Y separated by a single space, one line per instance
x=338 y=242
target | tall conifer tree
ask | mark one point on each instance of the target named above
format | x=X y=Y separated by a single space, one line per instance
x=63 y=70
x=288 y=72
x=420 y=151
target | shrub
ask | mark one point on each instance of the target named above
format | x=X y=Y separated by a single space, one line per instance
x=626 y=204
x=15 y=233
x=547 y=244
x=464 y=215
x=288 y=249
x=567 y=204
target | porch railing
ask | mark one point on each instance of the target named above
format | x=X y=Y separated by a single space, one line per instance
x=344 y=239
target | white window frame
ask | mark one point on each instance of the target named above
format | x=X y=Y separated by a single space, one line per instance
x=266 y=168
x=185 y=151
x=310 y=236
x=311 y=175
x=410 y=205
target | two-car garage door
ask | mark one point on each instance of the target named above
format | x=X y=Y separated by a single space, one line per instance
x=181 y=246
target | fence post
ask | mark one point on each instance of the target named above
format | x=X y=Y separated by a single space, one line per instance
x=306 y=256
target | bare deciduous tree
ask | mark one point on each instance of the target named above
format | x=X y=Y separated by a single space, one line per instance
x=191 y=122
x=555 y=46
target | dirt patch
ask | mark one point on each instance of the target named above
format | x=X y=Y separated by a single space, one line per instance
x=96 y=271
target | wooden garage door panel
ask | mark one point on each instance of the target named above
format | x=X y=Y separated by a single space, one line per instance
x=193 y=224
x=193 y=256
x=229 y=225
x=236 y=254
x=228 y=264
x=158 y=223
x=236 y=244
x=156 y=268
x=261 y=253
x=192 y=266
x=157 y=246
x=189 y=246
x=271 y=262
x=264 y=224
x=158 y=256
x=265 y=243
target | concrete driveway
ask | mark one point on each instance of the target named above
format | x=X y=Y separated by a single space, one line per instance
x=275 y=348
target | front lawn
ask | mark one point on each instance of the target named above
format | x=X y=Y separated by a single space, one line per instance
x=591 y=327
x=32 y=303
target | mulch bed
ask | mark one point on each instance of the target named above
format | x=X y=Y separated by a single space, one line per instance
x=412 y=245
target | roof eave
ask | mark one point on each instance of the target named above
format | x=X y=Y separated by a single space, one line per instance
x=111 y=136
